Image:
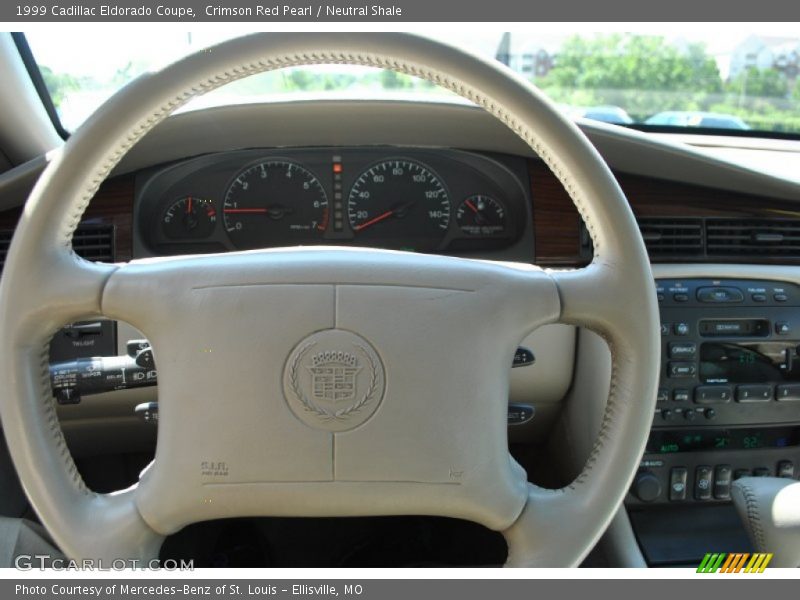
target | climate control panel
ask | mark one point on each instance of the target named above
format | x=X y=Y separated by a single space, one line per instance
x=699 y=465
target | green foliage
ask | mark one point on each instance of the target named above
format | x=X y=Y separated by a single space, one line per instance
x=58 y=84
x=642 y=74
x=646 y=75
x=623 y=62
x=764 y=83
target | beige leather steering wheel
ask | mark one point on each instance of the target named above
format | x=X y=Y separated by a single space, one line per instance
x=426 y=341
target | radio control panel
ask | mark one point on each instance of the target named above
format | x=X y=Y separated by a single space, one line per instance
x=730 y=352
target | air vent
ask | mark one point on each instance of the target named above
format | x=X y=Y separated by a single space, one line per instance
x=92 y=242
x=679 y=238
x=753 y=237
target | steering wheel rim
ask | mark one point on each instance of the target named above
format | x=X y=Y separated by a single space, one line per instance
x=46 y=285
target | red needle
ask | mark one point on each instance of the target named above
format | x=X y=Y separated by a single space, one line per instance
x=377 y=219
x=189 y=206
x=244 y=210
x=472 y=206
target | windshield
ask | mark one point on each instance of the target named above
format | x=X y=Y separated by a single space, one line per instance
x=732 y=78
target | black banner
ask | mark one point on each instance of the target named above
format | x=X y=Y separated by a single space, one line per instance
x=730 y=587
x=343 y=11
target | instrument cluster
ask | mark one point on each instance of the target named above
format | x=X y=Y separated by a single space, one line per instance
x=421 y=200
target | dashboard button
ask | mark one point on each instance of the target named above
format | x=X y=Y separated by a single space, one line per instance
x=663 y=395
x=785 y=469
x=761 y=472
x=782 y=328
x=681 y=329
x=677 y=484
x=780 y=297
x=681 y=369
x=523 y=357
x=670 y=415
x=712 y=394
x=754 y=393
x=703 y=482
x=759 y=297
x=680 y=297
x=646 y=486
x=722 y=482
x=682 y=349
x=718 y=295
x=788 y=393
x=690 y=414
x=710 y=414
x=519 y=414
x=665 y=329
x=680 y=395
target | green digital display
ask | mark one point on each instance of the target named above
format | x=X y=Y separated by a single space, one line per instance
x=670 y=442
x=749 y=362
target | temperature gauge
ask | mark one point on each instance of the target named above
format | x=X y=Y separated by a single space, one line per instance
x=189 y=217
x=481 y=215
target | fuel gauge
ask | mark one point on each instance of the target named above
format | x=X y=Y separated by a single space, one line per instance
x=481 y=215
x=189 y=218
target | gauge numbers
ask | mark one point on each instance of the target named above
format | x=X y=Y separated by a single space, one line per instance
x=274 y=203
x=401 y=203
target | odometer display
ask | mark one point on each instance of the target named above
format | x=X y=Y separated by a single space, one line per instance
x=274 y=203
x=399 y=203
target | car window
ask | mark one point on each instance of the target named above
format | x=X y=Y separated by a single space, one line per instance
x=732 y=77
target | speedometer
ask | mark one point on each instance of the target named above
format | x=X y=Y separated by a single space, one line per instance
x=274 y=203
x=399 y=203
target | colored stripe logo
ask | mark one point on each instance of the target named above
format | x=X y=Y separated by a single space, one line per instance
x=738 y=562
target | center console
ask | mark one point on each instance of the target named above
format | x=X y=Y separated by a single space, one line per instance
x=728 y=407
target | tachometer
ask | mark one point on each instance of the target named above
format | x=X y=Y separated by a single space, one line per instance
x=274 y=203
x=399 y=203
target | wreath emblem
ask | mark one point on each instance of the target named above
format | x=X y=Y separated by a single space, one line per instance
x=334 y=380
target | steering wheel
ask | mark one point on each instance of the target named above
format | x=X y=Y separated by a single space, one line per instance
x=327 y=381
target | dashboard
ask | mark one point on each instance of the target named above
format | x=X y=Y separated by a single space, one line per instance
x=442 y=201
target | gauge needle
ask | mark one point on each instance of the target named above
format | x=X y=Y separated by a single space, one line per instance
x=244 y=210
x=189 y=205
x=471 y=206
x=374 y=220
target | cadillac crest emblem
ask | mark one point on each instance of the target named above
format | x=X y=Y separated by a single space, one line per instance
x=334 y=380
